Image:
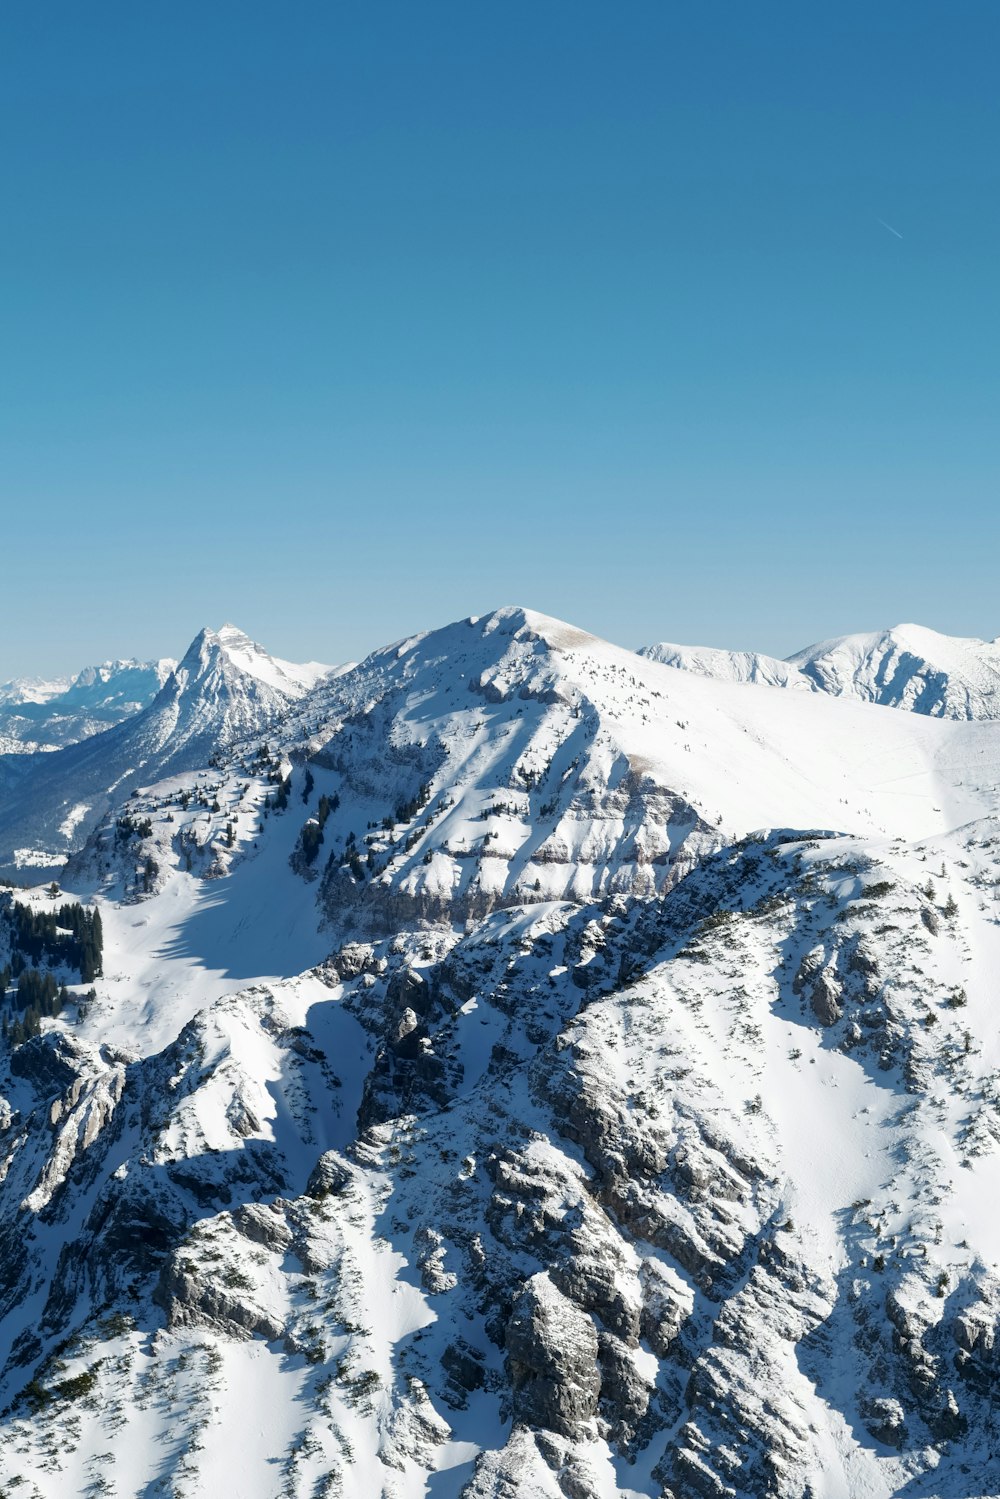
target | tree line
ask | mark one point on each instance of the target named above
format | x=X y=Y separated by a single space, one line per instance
x=67 y=937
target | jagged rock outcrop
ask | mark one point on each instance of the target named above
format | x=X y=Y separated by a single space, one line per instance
x=552 y=1350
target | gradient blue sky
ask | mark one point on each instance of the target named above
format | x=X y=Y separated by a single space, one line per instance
x=347 y=320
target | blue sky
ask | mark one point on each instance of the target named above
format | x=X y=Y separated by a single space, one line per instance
x=347 y=320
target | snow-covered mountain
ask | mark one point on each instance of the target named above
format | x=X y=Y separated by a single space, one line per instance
x=225 y=688
x=908 y=667
x=527 y=1070
x=46 y=715
x=291 y=678
x=550 y=763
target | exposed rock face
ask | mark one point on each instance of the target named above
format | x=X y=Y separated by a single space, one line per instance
x=190 y=1300
x=331 y=1174
x=264 y=1225
x=552 y=1349
x=464 y=1369
x=976 y=1331
x=603 y=819
x=49 y=1063
x=825 y=1000
x=575 y=1191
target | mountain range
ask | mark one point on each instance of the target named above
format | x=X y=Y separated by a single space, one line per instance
x=45 y=715
x=518 y=1066
x=907 y=667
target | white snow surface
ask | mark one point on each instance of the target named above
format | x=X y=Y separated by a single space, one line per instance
x=287 y=676
x=560 y=766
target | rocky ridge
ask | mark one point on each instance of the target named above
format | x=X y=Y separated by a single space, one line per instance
x=671 y=1186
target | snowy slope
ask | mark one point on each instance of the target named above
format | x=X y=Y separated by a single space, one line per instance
x=290 y=677
x=730 y=666
x=555 y=765
x=630 y=1150
x=907 y=667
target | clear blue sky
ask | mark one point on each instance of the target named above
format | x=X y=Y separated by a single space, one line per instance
x=346 y=320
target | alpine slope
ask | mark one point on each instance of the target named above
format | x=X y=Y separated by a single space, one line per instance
x=518 y=1068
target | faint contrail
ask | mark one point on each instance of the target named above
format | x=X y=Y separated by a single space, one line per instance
x=890 y=228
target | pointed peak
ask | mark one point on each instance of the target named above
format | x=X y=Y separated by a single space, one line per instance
x=231 y=649
x=202 y=642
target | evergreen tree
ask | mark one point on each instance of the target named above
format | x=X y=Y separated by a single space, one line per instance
x=312 y=837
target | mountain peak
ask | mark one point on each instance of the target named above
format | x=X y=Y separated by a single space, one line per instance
x=513 y=619
x=230 y=634
x=202 y=642
x=230 y=648
x=472 y=996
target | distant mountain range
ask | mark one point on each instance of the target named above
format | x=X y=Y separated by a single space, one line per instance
x=908 y=667
x=46 y=715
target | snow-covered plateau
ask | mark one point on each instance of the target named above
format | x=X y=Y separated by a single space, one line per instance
x=512 y=1067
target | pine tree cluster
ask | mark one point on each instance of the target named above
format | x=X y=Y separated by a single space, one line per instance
x=37 y=995
x=69 y=936
x=129 y=827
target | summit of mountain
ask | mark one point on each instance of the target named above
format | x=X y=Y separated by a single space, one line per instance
x=908 y=667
